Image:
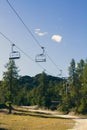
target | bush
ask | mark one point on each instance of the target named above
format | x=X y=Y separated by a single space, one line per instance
x=3 y=106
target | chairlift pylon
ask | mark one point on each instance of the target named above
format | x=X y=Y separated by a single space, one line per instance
x=14 y=54
x=41 y=57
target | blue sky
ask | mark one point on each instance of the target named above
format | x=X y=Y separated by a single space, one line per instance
x=58 y=25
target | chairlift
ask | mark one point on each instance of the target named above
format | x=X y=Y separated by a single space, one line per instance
x=41 y=57
x=14 y=54
x=60 y=74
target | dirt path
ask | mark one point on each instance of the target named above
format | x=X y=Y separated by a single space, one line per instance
x=81 y=123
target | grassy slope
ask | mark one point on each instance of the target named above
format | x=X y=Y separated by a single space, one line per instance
x=24 y=120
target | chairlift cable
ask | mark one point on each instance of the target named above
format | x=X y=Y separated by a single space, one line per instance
x=6 y=38
x=30 y=32
x=33 y=60
x=27 y=28
x=52 y=61
x=29 y=57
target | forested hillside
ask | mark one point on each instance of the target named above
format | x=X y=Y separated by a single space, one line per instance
x=65 y=94
x=40 y=90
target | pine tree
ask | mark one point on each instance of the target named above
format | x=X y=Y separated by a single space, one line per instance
x=83 y=104
x=9 y=83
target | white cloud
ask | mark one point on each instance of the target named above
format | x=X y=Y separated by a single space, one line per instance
x=39 y=33
x=37 y=29
x=56 y=38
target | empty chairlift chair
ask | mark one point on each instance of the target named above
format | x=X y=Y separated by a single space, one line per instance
x=41 y=57
x=14 y=54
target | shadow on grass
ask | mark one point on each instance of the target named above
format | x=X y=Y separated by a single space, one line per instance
x=36 y=114
x=32 y=114
x=3 y=129
x=29 y=113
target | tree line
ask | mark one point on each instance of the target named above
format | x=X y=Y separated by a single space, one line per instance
x=64 y=94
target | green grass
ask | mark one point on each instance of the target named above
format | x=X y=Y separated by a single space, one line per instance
x=25 y=120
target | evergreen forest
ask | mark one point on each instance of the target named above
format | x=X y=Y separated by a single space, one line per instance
x=56 y=93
